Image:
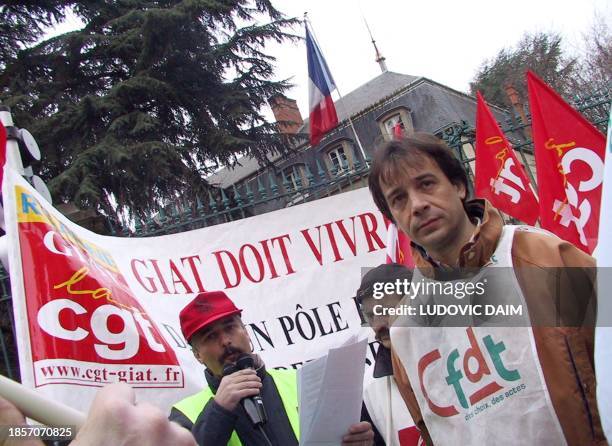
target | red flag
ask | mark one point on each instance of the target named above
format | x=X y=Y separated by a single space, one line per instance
x=500 y=177
x=398 y=246
x=398 y=131
x=569 y=160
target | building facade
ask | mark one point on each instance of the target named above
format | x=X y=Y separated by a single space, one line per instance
x=375 y=109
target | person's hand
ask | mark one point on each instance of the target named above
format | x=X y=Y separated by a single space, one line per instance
x=236 y=386
x=359 y=434
x=115 y=418
x=10 y=415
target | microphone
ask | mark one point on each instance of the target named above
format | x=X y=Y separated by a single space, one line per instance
x=253 y=405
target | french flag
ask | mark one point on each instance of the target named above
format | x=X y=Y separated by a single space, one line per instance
x=323 y=116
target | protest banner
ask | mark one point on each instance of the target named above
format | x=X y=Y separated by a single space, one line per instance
x=92 y=309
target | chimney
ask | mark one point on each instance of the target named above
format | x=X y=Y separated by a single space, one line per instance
x=286 y=110
x=517 y=104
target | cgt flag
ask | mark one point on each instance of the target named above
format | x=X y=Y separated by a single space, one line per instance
x=500 y=177
x=323 y=116
x=569 y=155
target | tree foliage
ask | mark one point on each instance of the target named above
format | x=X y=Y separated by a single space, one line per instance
x=596 y=65
x=148 y=97
x=23 y=23
x=541 y=53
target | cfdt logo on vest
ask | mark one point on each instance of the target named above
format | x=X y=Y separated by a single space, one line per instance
x=467 y=373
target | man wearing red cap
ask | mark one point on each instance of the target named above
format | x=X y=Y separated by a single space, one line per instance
x=212 y=325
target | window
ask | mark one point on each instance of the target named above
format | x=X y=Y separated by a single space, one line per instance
x=390 y=120
x=339 y=161
x=295 y=176
x=339 y=157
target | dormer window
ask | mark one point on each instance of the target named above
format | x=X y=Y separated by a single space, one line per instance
x=338 y=158
x=393 y=123
x=395 y=120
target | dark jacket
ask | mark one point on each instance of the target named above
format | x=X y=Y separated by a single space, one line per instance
x=215 y=424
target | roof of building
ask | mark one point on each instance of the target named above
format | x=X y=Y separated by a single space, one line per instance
x=245 y=166
x=361 y=98
x=366 y=95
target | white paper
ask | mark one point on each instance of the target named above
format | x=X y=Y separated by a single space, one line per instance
x=330 y=392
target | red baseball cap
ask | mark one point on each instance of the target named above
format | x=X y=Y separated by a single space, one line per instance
x=205 y=309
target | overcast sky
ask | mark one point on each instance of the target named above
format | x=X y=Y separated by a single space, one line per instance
x=445 y=41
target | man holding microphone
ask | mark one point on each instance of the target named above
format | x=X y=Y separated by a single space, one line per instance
x=229 y=410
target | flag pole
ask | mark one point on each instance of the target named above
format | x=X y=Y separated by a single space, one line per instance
x=365 y=158
x=39 y=407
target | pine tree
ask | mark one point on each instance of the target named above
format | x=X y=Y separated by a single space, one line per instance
x=22 y=23
x=147 y=98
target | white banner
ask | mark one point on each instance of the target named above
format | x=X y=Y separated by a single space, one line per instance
x=603 y=333
x=92 y=309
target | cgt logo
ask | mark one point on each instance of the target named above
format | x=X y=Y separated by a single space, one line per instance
x=115 y=324
x=458 y=369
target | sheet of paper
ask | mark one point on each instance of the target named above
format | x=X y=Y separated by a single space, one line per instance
x=330 y=391
x=310 y=378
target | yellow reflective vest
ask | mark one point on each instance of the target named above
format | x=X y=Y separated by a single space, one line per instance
x=286 y=384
